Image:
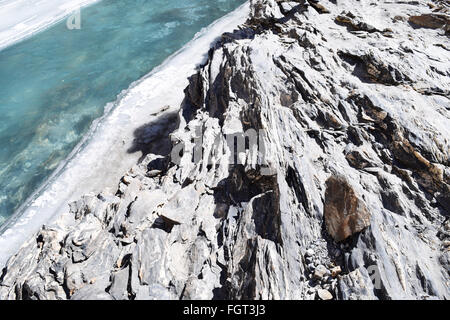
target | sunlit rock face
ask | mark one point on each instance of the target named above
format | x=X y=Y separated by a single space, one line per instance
x=345 y=194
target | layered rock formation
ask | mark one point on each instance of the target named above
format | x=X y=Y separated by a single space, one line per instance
x=340 y=189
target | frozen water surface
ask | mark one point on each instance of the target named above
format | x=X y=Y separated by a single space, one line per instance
x=54 y=84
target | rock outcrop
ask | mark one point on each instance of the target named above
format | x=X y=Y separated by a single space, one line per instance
x=432 y=20
x=345 y=214
x=311 y=161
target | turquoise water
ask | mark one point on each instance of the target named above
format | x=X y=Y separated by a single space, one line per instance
x=53 y=85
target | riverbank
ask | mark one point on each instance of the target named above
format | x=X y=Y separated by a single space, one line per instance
x=109 y=150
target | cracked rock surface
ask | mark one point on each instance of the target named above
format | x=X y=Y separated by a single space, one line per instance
x=344 y=196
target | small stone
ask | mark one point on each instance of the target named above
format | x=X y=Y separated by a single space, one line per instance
x=309 y=253
x=320 y=8
x=398 y=18
x=335 y=271
x=324 y=294
x=127 y=180
x=320 y=271
x=154 y=173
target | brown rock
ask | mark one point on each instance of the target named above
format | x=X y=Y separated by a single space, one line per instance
x=398 y=18
x=351 y=21
x=432 y=20
x=320 y=272
x=319 y=8
x=345 y=213
x=336 y=271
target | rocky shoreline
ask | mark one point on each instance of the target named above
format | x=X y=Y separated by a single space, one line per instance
x=345 y=194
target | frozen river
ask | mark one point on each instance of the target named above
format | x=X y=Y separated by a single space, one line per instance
x=64 y=131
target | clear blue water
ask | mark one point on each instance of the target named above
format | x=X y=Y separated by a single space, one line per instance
x=53 y=85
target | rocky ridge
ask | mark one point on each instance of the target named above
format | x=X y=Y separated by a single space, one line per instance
x=345 y=194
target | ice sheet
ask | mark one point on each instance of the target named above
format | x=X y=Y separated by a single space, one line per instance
x=21 y=18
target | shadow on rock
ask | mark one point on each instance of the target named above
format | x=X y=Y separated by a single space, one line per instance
x=153 y=137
